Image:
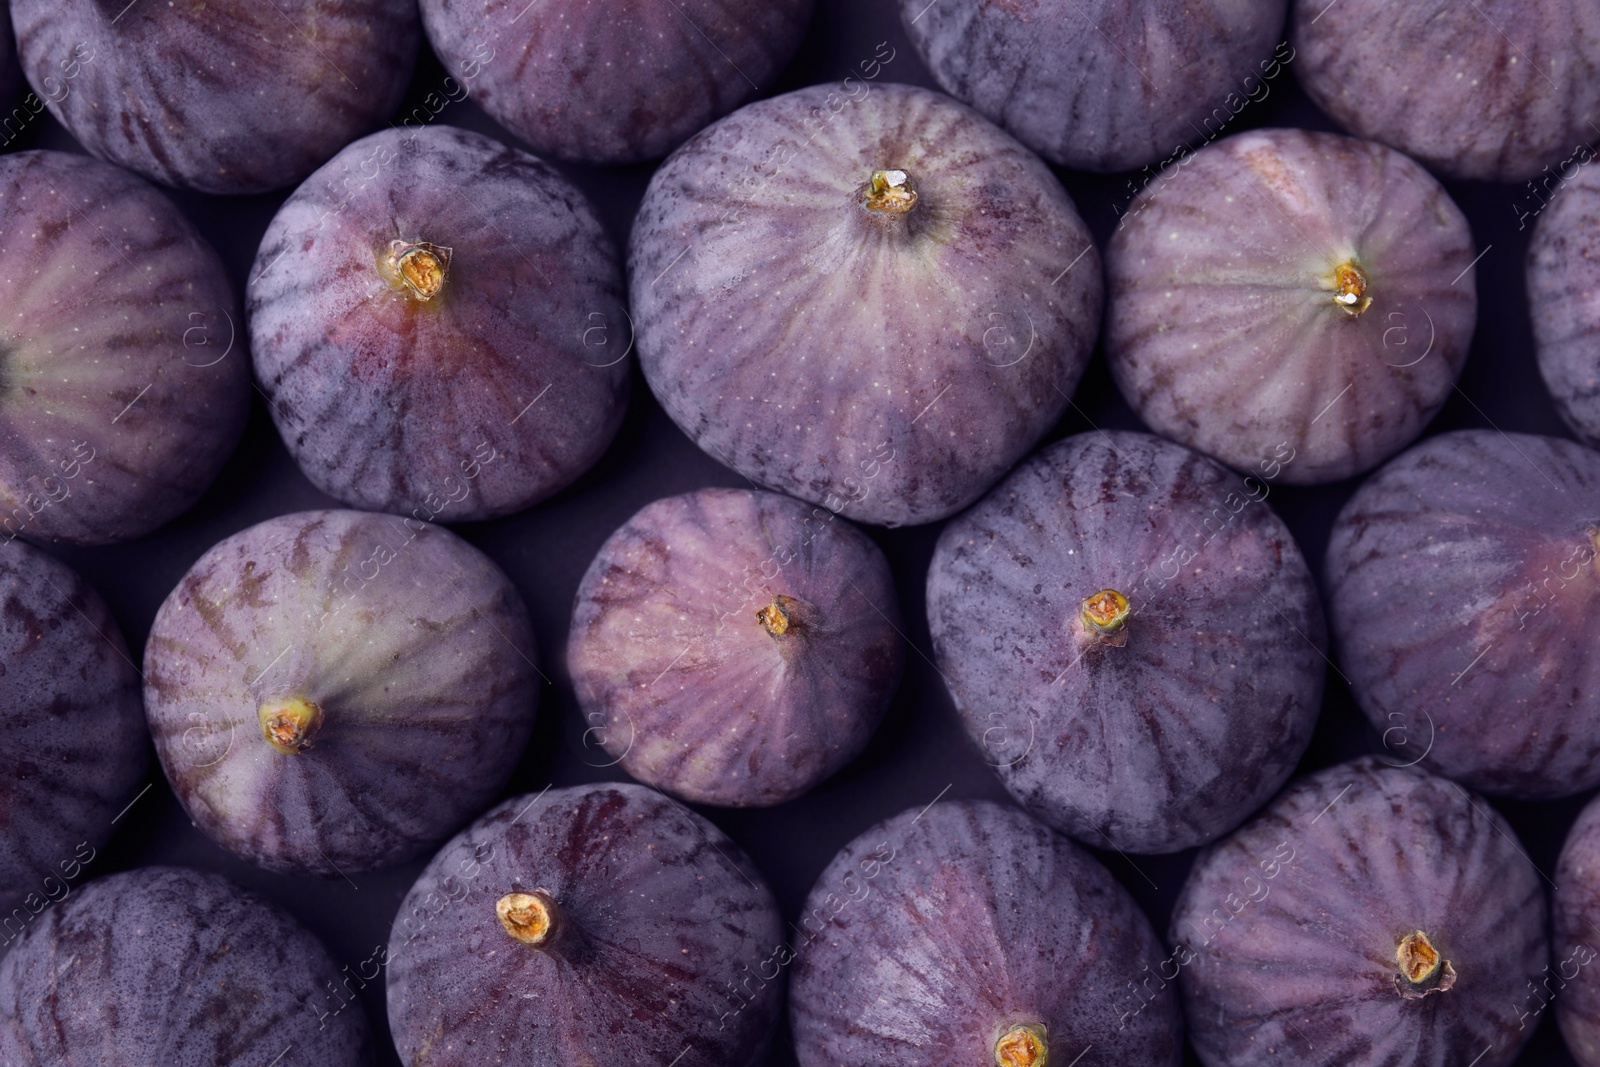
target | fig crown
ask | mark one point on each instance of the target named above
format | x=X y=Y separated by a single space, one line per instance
x=289 y=724
x=1350 y=288
x=1022 y=1046
x=1105 y=613
x=420 y=267
x=1422 y=969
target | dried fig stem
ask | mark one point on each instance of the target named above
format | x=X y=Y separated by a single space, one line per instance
x=420 y=267
x=1105 y=614
x=289 y=724
x=534 y=919
x=785 y=615
x=1422 y=969
x=1350 y=288
x=1022 y=1046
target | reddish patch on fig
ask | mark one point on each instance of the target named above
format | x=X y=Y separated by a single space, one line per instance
x=1422 y=969
x=889 y=192
x=1022 y=1046
x=1105 y=613
x=289 y=724
x=531 y=918
x=1350 y=288
x=420 y=267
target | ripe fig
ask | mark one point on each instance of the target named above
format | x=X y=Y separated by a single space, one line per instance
x=1464 y=597
x=167 y=967
x=1564 y=301
x=889 y=308
x=1570 y=980
x=1283 y=288
x=593 y=924
x=412 y=304
x=707 y=677
x=1492 y=89
x=616 y=82
x=1132 y=637
x=121 y=394
x=75 y=744
x=223 y=96
x=1372 y=914
x=336 y=691
x=1100 y=85
x=969 y=935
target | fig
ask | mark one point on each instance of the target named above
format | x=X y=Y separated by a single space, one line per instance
x=708 y=677
x=167 y=967
x=223 y=96
x=1282 y=288
x=1568 y=980
x=1464 y=597
x=969 y=935
x=121 y=394
x=1492 y=90
x=1372 y=914
x=1132 y=637
x=613 y=82
x=412 y=304
x=337 y=691
x=592 y=924
x=75 y=743
x=1564 y=301
x=1104 y=85
x=874 y=304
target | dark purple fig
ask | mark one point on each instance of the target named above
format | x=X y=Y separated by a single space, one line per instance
x=613 y=82
x=223 y=96
x=1568 y=979
x=591 y=925
x=1132 y=637
x=167 y=967
x=336 y=691
x=411 y=307
x=969 y=935
x=1284 y=289
x=1371 y=915
x=1564 y=301
x=1101 y=84
x=1464 y=596
x=735 y=647
x=75 y=745
x=1490 y=89
x=121 y=394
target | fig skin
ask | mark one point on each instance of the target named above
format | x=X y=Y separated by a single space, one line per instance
x=1183 y=722
x=914 y=357
x=1570 y=980
x=1043 y=71
x=75 y=745
x=223 y=96
x=657 y=910
x=613 y=82
x=712 y=681
x=122 y=387
x=1482 y=106
x=932 y=934
x=1464 y=599
x=1287 y=932
x=1564 y=301
x=172 y=968
x=416 y=652
x=1224 y=334
x=436 y=407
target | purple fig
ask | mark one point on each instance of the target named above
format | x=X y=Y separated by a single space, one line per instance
x=1464 y=595
x=411 y=307
x=121 y=393
x=875 y=304
x=166 y=967
x=707 y=676
x=594 y=924
x=1564 y=301
x=336 y=691
x=1133 y=638
x=1372 y=914
x=1288 y=289
x=1569 y=980
x=969 y=935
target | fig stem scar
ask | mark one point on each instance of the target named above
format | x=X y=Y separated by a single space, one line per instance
x=1422 y=969
x=1105 y=612
x=1350 y=288
x=420 y=266
x=531 y=918
x=289 y=724
x=1022 y=1046
x=778 y=616
x=890 y=192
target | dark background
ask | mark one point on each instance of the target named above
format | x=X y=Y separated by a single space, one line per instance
x=921 y=752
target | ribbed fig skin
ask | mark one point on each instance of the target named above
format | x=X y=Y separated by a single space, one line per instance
x=667 y=912
x=414 y=645
x=1465 y=604
x=613 y=81
x=1508 y=86
x=223 y=96
x=687 y=687
x=478 y=402
x=75 y=745
x=1223 y=332
x=932 y=933
x=1100 y=85
x=1181 y=733
x=1287 y=932
x=167 y=967
x=122 y=385
x=1564 y=301
x=888 y=369
x=1570 y=980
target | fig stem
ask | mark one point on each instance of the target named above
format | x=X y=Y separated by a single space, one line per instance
x=1422 y=969
x=1022 y=1046
x=420 y=266
x=779 y=617
x=532 y=918
x=289 y=724
x=889 y=192
x=1105 y=612
x=1350 y=288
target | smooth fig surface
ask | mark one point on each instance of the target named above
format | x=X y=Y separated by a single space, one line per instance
x=1564 y=300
